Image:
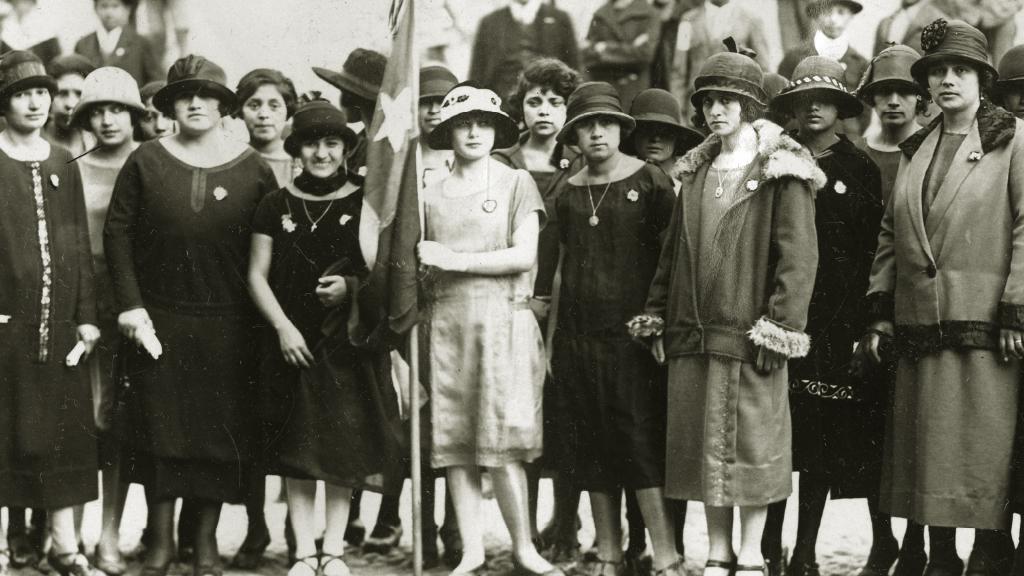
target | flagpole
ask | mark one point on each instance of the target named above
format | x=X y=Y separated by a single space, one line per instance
x=414 y=449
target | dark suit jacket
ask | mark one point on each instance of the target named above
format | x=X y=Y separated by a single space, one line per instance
x=630 y=38
x=501 y=48
x=133 y=53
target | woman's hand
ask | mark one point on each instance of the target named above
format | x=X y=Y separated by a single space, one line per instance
x=872 y=340
x=293 y=346
x=658 y=349
x=769 y=360
x=1011 y=344
x=331 y=290
x=131 y=322
x=88 y=335
x=440 y=256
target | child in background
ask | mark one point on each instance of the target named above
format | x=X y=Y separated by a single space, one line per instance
x=116 y=43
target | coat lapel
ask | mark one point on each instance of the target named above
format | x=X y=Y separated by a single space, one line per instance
x=914 y=181
x=960 y=168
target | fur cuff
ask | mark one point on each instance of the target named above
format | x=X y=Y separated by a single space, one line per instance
x=1011 y=316
x=777 y=338
x=646 y=326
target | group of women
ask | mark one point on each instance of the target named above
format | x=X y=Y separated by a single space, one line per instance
x=610 y=295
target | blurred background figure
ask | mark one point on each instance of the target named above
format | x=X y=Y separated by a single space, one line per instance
x=69 y=72
x=153 y=123
x=24 y=27
x=166 y=24
x=620 y=46
x=116 y=43
x=1009 y=89
x=905 y=24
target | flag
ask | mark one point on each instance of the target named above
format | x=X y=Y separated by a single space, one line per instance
x=389 y=228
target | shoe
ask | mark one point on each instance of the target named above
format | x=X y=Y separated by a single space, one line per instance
x=676 y=568
x=475 y=571
x=910 y=563
x=74 y=564
x=155 y=570
x=355 y=532
x=308 y=566
x=520 y=570
x=186 y=553
x=207 y=570
x=382 y=539
x=110 y=565
x=992 y=554
x=729 y=565
x=638 y=564
x=22 y=552
x=880 y=559
x=944 y=567
x=776 y=566
x=452 y=542
x=592 y=565
x=331 y=565
x=760 y=568
x=799 y=568
x=250 y=553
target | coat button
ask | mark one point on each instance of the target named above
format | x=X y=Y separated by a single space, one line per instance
x=931 y=270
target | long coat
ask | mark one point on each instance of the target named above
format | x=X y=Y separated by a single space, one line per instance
x=620 y=47
x=133 y=54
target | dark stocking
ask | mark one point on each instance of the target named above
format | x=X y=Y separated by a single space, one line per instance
x=881 y=528
x=771 y=540
x=160 y=529
x=637 y=527
x=942 y=546
x=388 y=514
x=677 y=509
x=532 y=489
x=811 y=506
x=188 y=519
x=207 y=554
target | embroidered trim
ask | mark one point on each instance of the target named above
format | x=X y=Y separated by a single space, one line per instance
x=646 y=326
x=816 y=79
x=776 y=338
x=917 y=341
x=44 y=255
x=823 y=390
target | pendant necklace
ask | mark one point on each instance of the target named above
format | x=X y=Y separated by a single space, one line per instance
x=594 y=220
x=313 y=222
x=490 y=204
x=720 y=190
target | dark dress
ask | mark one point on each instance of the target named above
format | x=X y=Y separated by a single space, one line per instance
x=610 y=385
x=177 y=243
x=338 y=420
x=838 y=420
x=47 y=439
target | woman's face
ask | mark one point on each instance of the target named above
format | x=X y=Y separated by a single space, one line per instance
x=265 y=114
x=154 y=124
x=543 y=112
x=111 y=123
x=654 y=142
x=895 y=108
x=723 y=113
x=473 y=138
x=28 y=110
x=815 y=115
x=197 y=114
x=834 y=20
x=954 y=86
x=1013 y=101
x=598 y=137
x=429 y=113
x=324 y=156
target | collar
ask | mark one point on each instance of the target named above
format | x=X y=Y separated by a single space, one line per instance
x=108 y=39
x=829 y=47
x=525 y=13
x=996 y=127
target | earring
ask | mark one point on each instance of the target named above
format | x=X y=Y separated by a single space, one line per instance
x=344 y=165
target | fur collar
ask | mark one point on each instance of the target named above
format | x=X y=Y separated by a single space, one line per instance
x=996 y=127
x=781 y=156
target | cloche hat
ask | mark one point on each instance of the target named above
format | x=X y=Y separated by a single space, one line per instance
x=316 y=118
x=361 y=74
x=657 y=107
x=1011 y=71
x=731 y=72
x=436 y=81
x=593 y=99
x=952 y=40
x=21 y=70
x=890 y=68
x=192 y=75
x=107 y=84
x=466 y=99
x=822 y=77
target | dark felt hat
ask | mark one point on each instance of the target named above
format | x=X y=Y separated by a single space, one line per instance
x=21 y=70
x=819 y=6
x=1011 y=69
x=732 y=72
x=315 y=119
x=69 y=64
x=467 y=100
x=657 y=107
x=361 y=74
x=436 y=81
x=889 y=69
x=194 y=75
x=952 y=40
x=823 y=78
x=592 y=99
x=150 y=89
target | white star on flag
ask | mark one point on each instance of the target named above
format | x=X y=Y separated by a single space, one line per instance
x=398 y=119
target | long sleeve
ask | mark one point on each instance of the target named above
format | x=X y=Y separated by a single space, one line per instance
x=657 y=294
x=119 y=236
x=1011 y=306
x=880 y=301
x=867 y=231
x=636 y=53
x=85 y=307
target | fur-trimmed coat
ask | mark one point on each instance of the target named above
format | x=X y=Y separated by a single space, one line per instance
x=951 y=281
x=762 y=265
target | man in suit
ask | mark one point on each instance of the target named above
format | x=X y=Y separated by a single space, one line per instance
x=116 y=43
x=904 y=26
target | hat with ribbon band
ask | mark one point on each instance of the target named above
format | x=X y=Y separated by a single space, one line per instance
x=818 y=77
x=954 y=40
x=466 y=101
x=591 y=99
x=21 y=70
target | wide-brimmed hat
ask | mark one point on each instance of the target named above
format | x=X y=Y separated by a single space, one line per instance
x=657 y=107
x=194 y=75
x=889 y=69
x=21 y=70
x=592 y=99
x=819 y=6
x=103 y=85
x=467 y=99
x=1011 y=71
x=730 y=72
x=361 y=74
x=316 y=118
x=436 y=81
x=952 y=40
x=823 y=78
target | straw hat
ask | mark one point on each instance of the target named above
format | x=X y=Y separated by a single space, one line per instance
x=315 y=119
x=194 y=75
x=361 y=74
x=467 y=100
x=952 y=40
x=107 y=84
x=21 y=70
x=592 y=99
x=823 y=78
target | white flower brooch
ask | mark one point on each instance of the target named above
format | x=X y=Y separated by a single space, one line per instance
x=54 y=180
x=751 y=185
x=632 y=195
x=840 y=187
x=563 y=164
x=220 y=193
x=344 y=219
x=974 y=156
x=287 y=223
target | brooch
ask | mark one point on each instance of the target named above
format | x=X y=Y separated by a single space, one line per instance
x=632 y=195
x=751 y=185
x=840 y=187
x=54 y=180
x=563 y=164
x=220 y=193
x=974 y=156
x=119 y=52
x=287 y=223
x=362 y=171
x=344 y=219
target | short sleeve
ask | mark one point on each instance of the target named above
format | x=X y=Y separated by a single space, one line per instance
x=525 y=200
x=267 y=219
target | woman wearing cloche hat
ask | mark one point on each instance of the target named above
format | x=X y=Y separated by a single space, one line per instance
x=727 y=308
x=953 y=310
x=1009 y=90
x=487 y=363
x=48 y=324
x=177 y=245
x=611 y=215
